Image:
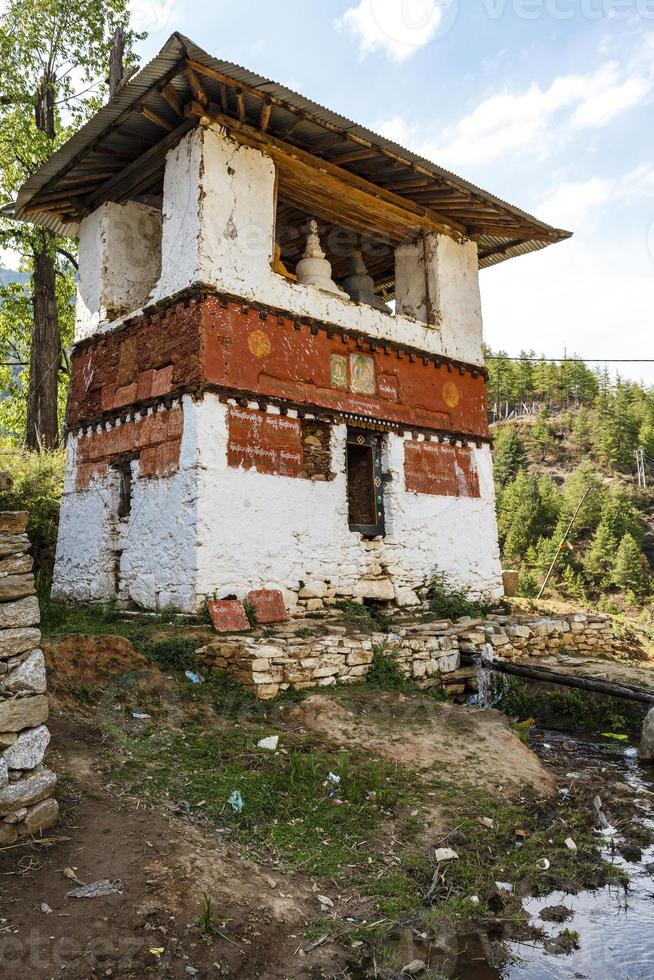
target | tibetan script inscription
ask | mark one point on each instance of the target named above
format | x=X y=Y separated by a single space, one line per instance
x=267 y=443
x=440 y=470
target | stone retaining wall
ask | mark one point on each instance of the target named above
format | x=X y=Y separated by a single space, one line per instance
x=429 y=653
x=26 y=785
x=335 y=653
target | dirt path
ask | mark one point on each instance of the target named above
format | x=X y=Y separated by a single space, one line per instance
x=165 y=865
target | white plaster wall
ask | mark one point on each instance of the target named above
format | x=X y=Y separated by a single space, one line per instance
x=453 y=282
x=84 y=562
x=257 y=530
x=158 y=561
x=119 y=263
x=219 y=229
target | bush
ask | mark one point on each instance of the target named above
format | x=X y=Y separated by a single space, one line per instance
x=447 y=602
x=385 y=672
x=38 y=486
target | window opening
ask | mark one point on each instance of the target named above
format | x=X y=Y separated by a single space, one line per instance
x=364 y=483
x=124 y=471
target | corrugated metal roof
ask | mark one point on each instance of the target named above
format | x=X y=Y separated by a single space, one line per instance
x=179 y=48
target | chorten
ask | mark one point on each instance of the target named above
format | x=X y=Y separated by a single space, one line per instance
x=360 y=286
x=314 y=269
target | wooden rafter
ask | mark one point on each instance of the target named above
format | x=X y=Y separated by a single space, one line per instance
x=158 y=120
x=173 y=99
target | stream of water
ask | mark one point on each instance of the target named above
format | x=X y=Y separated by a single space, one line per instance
x=616 y=934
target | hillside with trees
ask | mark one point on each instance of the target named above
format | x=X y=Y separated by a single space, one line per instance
x=565 y=461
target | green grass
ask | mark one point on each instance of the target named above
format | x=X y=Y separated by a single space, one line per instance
x=289 y=813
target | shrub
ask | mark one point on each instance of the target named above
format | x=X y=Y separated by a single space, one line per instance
x=448 y=602
x=630 y=570
x=385 y=672
x=38 y=486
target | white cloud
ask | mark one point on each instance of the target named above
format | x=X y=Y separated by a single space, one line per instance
x=571 y=204
x=531 y=122
x=153 y=16
x=398 y=28
x=587 y=296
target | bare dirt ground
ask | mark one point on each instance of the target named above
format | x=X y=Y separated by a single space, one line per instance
x=165 y=865
x=477 y=743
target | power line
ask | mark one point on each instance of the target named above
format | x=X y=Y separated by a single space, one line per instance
x=574 y=360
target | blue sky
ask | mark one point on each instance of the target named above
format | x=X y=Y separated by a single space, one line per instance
x=546 y=103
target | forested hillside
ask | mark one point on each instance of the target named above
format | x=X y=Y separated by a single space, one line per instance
x=572 y=436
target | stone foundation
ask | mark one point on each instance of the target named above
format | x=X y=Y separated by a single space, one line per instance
x=429 y=653
x=26 y=785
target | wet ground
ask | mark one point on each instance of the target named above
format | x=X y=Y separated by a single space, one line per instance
x=614 y=926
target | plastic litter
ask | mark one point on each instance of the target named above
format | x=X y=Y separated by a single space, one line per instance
x=631 y=753
x=543 y=864
x=193 y=677
x=334 y=779
x=235 y=800
x=270 y=743
x=442 y=854
x=141 y=716
x=325 y=900
x=97 y=889
x=570 y=844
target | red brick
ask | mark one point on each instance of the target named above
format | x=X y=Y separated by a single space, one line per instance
x=125 y=395
x=108 y=397
x=228 y=616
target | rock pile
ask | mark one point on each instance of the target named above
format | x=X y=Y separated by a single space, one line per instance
x=26 y=785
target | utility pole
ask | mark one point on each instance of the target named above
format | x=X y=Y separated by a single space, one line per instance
x=640 y=466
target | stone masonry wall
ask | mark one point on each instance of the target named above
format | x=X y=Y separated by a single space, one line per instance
x=26 y=785
x=429 y=653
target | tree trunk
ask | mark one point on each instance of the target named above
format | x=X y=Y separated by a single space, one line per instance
x=42 y=423
x=116 y=70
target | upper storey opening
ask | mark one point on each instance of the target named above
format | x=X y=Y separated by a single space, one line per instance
x=198 y=170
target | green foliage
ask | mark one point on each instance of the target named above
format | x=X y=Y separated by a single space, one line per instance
x=528 y=508
x=447 y=602
x=55 y=58
x=630 y=571
x=509 y=455
x=38 y=485
x=541 y=432
x=175 y=653
x=385 y=671
x=528 y=587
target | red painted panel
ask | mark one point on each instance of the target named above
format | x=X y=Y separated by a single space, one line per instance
x=156 y=439
x=268 y=605
x=228 y=616
x=440 y=470
x=269 y=443
x=273 y=358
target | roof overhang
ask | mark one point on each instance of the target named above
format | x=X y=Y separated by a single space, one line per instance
x=120 y=155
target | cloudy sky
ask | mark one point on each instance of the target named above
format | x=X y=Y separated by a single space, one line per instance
x=546 y=103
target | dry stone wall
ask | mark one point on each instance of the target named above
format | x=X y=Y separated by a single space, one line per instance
x=429 y=653
x=27 y=805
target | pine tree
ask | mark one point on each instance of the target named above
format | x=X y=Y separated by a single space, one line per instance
x=630 y=570
x=509 y=455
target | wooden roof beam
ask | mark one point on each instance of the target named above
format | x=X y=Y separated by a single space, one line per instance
x=264 y=117
x=173 y=99
x=294 y=157
x=199 y=93
x=158 y=120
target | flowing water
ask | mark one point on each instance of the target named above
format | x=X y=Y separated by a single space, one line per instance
x=615 y=927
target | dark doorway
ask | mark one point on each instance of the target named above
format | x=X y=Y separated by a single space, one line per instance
x=364 y=483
